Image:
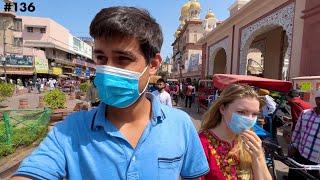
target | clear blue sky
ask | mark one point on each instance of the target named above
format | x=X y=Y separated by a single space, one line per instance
x=76 y=15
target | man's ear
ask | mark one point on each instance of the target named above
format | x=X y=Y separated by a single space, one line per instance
x=155 y=64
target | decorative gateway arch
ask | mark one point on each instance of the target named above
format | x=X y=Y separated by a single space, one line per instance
x=283 y=17
x=213 y=51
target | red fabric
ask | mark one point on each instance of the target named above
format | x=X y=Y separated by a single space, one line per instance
x=177 y=89
x=221 y=81
x=167 y=88
x=221 y=165
x=297 y=106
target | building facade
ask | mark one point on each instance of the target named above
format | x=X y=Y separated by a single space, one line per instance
x=187 y=54
x=40 y=47
x=16 y=59
x=66 y=53
x=272 y=39
x=310 y=54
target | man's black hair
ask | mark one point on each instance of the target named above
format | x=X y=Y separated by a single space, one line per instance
x=161 y=80
x=293 y=93
x=129 y=22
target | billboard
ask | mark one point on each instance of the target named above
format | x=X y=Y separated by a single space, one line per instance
x=193 y=64
x=78 y=71
x=19 y=60
x=80 y=47
x=56 y=70
x=87 y=72
x=41 y=65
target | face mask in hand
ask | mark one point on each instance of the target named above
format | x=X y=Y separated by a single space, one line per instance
x=118 y=87
x=239 y=123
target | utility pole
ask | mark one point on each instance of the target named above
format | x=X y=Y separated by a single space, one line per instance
x=4 y=61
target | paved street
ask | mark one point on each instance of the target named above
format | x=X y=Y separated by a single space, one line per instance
x=33 y=100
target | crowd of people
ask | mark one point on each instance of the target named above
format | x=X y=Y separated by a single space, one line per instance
x=171 y=92
x=69 y=84
x=134 y=134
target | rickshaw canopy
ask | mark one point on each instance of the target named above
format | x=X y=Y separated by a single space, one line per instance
x=221 y=81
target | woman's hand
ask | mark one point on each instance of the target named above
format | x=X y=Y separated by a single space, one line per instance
x=253 y=145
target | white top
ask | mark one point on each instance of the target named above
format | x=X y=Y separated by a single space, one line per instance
x=164 y=97
x=52 y=83
x=270 y=106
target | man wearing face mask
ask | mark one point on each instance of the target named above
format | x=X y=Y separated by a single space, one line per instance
x=163 y=95
x=130 y=134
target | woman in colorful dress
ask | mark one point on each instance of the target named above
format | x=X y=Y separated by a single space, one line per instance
x=232 y=149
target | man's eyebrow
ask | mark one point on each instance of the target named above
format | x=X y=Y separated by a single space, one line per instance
x=125 y=53
x=98 y=51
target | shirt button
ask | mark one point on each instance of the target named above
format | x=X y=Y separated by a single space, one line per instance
x=134 y=158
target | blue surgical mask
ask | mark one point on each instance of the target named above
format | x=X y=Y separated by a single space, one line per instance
x=239 y=123
x=118 y=87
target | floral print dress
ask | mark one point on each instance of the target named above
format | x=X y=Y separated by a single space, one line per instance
x=222 y=165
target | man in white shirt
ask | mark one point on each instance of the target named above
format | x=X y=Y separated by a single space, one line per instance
x=269 y=107
x=51 y=84
x=163 y=95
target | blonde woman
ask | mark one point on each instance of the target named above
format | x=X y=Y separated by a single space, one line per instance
x=232 y=149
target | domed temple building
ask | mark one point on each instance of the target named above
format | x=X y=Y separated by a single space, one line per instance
x=187 y=53
x=272 y=39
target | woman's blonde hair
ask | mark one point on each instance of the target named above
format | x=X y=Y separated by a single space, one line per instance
x=213 y=117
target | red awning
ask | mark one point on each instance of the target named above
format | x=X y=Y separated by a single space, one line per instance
x=221 y=81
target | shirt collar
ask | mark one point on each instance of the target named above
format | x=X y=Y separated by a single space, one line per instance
x=100 y=120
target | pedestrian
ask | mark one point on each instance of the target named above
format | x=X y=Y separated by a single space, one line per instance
x=163 y=95
x=182 y=90
x=42 y=85
x=297 y=106
x=51 y=83
x=305 y=141
x=189 y=92
x=167 y=87
x=38 y=85
x=232 y=149
x=130 y=134
x=176 y=93
x=92 y=94
x=193 y=93
x=30 y=86
x=267 y=111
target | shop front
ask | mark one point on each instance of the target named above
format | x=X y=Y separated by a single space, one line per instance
x=18 y=67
